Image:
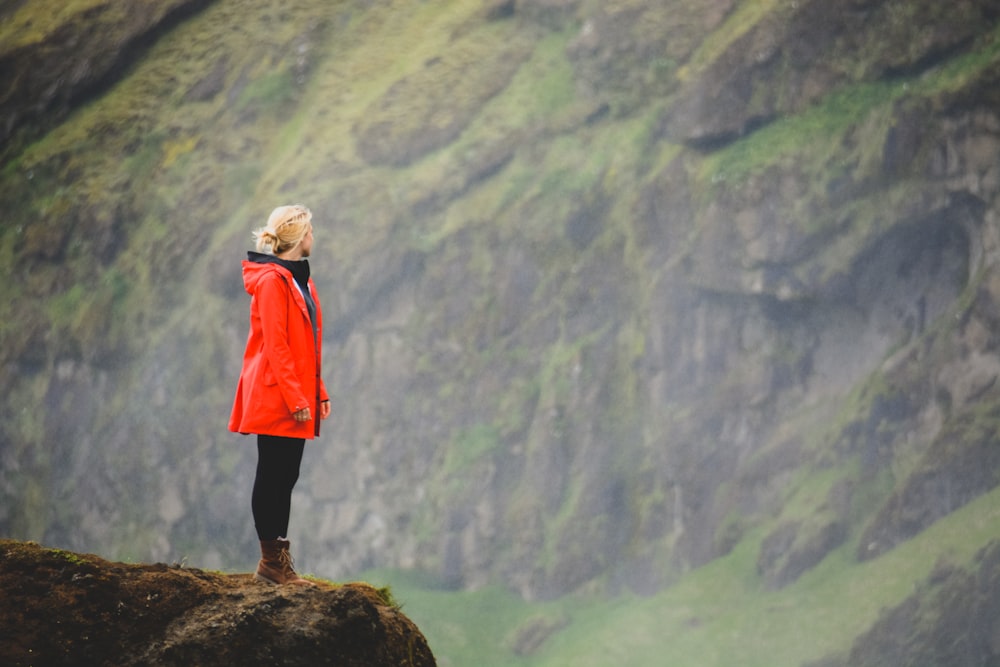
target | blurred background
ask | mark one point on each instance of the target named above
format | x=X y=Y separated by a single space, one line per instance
x=658 y=332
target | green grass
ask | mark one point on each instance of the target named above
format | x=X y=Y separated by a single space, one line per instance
x=463 y=628
x=715 y=616
x=816 y=135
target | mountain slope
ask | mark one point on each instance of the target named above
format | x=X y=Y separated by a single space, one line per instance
x=612 y=288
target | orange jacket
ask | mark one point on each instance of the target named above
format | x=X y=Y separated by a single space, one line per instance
x=282 y=361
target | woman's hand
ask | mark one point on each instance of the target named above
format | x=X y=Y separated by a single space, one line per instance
x=305 y=414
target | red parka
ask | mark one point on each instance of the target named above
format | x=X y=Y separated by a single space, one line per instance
x=282 y=361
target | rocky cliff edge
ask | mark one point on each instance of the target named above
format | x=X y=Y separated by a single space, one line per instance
x=65 y=608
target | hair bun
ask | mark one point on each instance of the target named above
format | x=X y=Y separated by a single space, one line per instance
x=286 y=227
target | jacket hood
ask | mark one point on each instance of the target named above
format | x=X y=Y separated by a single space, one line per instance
x=258 y=264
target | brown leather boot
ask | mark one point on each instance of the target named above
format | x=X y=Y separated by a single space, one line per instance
x=275 y=566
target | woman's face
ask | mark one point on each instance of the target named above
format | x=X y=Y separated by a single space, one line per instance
x=306 y=243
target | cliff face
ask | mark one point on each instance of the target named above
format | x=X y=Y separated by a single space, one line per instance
x=64 y=608
x=610 y=287
x=54 y=59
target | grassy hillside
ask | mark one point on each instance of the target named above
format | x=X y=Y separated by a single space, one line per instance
x=691 y=301
x=717 y=615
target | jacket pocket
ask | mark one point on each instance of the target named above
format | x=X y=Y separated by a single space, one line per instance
x=269 y=378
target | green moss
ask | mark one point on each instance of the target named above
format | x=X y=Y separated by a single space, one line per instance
x=747 y=15
x=35 y=20
x=468 y=447
x=514 y=406
x=959 y=72
x=68 y=556
x=271 y=92
x=383 y=593
x=815 y=137
x=816 y=133
x=65 y=308
x=406 y=123
x=541 y=90
x=557 y=372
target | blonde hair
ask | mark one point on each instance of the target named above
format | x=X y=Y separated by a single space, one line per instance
x=285 y=229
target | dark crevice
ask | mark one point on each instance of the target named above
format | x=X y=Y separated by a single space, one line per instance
x=29 y=115
x=712 y=142
x=10 y=7
x=930 y=60
x=132 y=51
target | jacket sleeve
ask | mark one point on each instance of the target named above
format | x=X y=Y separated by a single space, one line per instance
x=273 y=302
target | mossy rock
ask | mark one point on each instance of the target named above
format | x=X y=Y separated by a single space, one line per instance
x=961 y=465
x=430 y=107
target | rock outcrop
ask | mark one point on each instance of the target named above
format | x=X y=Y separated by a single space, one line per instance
x=64 y=608
x=52 y=64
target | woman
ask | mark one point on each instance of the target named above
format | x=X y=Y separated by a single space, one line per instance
x=280 y=392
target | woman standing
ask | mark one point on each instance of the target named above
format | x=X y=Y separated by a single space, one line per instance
x=280 y=392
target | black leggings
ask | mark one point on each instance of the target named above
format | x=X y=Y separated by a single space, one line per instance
x=278 y=461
